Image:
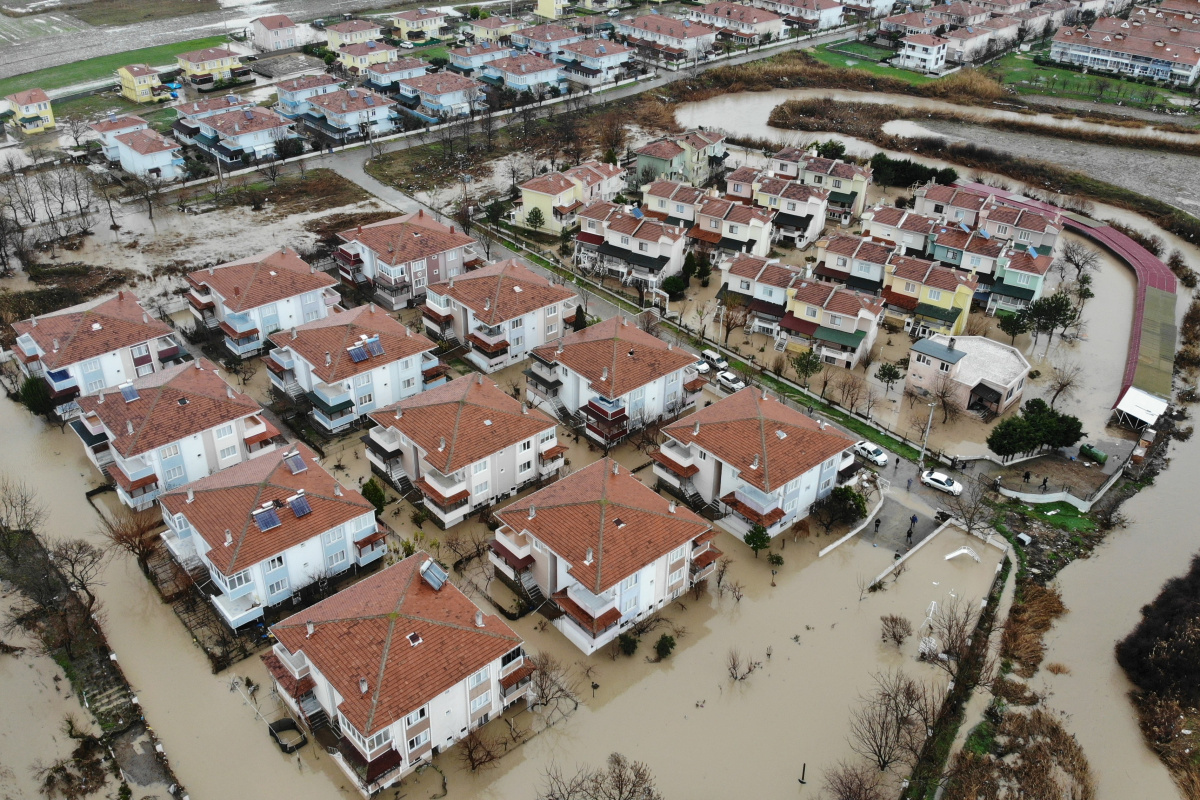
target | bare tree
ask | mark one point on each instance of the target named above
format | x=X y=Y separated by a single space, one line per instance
x=875 y=732
x=80 y=563
x=896 y=628
x=22 y=515
x=75 y=126
x=553 y=686
x=739 y=666
x=133 y=532
x=271 y=170
x=953 y=628
x=611 y=133
x=1080 y=257
x=734 y=314
x=1065 y=379
x=146 y=188
x=945 y=393
x=849 y=387
x=619 y=779
x=971 y=508
x=854 y=782
x=487 y=127
x=478 y=751
x=721 y=571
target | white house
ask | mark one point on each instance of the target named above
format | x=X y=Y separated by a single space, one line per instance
x=968 y=44
x=268 y=528
x=187 y=127
x=525 y=73
x=252 y=298
x=466 y=60
x=274 y=32
x=742 y=24
x=546 y=39
x=725 y=226
x=234 y=136
x=350 y=363
x=809 y=15
x=605 y=548
x=170 y=427
x=763 y=285
x=671 y=39
x=628 y=245
x=83 y=349
x=614 y=376
x=501 y=311
x=293 y=94
x=383 y=77
x=594 y=61
x=800 y=209
x=402 y=255
x=113 y=126
x=443 y=94
x=349 y=114
x=756 y=459
x=148 y=153
x=404 y=663
x=901 y=226
x=853 y=260
x=464 y=445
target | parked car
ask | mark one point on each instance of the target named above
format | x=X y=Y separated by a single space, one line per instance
x=701 y=367
x=287 y=734
x=730 y=381
x=406 y=45
x=941 y=482
x=872 y=452
x=616 y=12
x=714 y=358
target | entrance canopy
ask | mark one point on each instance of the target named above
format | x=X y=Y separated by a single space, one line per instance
x=1139 y=408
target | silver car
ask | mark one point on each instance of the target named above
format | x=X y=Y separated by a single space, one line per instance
x=872 y=453
x=730 y=381
x=941 y=482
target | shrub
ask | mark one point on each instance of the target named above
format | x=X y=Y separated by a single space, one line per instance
x=628 y=643
x=1161 y=655
x=373 y=493
x=664 y=646
x=675 y=286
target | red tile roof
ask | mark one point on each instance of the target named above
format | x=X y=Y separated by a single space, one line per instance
x=265 y=278
x=604 y=349
x=399 y=65
x=502 y=291
x=334 y=334
x=366 y=48
x=407 y=238
x=175 y=403
x=245 y=120
x=207 y=54
x=354 y=26
x=547 y=33
x=148 y=142
x=664 y=149
x=470 y=414
x=308 y=82
x=117 y=123
x=625 y=523
x=137 y=70
x=746 y=425
x=1019 y=259
x=274 y=22
x=225 y=103
x=362 y=633
x=668 y=27
x=596 y=48
x=345 y=101
x=417 y=14
x=551 y=183
x=70 y=336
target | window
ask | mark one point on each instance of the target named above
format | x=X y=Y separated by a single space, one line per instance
x=366 y=398
x=478 y=678
x=224 y=431
x=703 y=456
x=629 y=603
x=909 y=286
x=170 y=451
x=481 y=489
x=525 y=446
x=624 y=240
x=139 y=350
x=737 y=187
x=715 y=224
x=335 y=558
x=237 y=581
x=479 y=466
x=790 y=505
x=173 y=474
x=229 y=452
x=958 y=214
x=95 y=386
x=418 y=740
x=944 y=367
x=662 y=203
x=975 y=261
x=826 y=484
x=678 y=553
x=526 y=466
x=810 y=311
x=1024 y=278
x=733 y=228
x=745 y=286
x=817 y=178
x=923 y=359
x=483 y=701
x=841 y=261
x=278 y=586
x=679 y=208
x=675 y=576
x=935 y=294
x=629 y=582
x=419 y=283
x=333 y=536
x=835 y=320
x=552 y=328
x=517 y=340
x=415 y=717
x=365 y=378
x=511 y=656
x=774 y=201
x=545 y=436
x=91 y=365
x=863 y=269
x=592 y=224
x=1002 y=229
x=1023 y=236
x=274 y=563
x=643 y=247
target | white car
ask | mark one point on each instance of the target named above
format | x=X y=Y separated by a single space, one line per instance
x=872 y=452
x=616 y=12
x=941 y=482
x=701 y=367
x=407 y=45
x=730 y=381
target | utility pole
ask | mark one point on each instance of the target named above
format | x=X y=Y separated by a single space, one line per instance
x=925 y=438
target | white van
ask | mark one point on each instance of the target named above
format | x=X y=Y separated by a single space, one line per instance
x=714 y=358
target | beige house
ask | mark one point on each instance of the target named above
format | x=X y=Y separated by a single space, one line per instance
x=985 y=376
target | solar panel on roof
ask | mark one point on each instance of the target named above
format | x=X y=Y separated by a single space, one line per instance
x=295 y=463
x=433 y=574
x=129 y=393
x=374 y=347
x=266 y=519
x=357 y=354
x=300 y=506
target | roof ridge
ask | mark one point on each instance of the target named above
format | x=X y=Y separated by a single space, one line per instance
x=241 y=538
x=762 y=435
x=603 y=503
x=387 y=645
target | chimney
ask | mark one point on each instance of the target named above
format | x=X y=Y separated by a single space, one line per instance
x=671 y=507
x=129 y=426
x=950 y=345
x=228 y=537
x=120 y=295
x=328 y=359
x=293 y=334
x=616 y=468
x=604 y=374
x=588 y=558
x=487 y=304
x=100 y=398
x=145 y=318
x=696 y=430
x=362 y=685
x=441 y=443
x=191 y=495
x=56 y=345
x=478 y=619
x=821 y=424
x=311 y=629
x=229 y=392
x=670 y=346
x=237 y=291
x=337 y=490
x=33 y=320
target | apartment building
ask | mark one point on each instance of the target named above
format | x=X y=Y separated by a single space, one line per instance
x=383 y=77
x=470 y=59
x=546 y=40
x=853 y=260
x=740 y=23
x=558 y=196
x=604 y=548
x=358 y=57
x=762 y=285
x=839 y=324
x=1020 y=280
x=236 y=138
x=847 y=183
x=925 y=52
x=349 y=114
x=695 y=157
x=501 y=312
x=252 y=298
x=202 y=67
x=294 y=94
x=149 y=154
x=113 y=126
x=629 y=245
x=524 y=73
x=671 y=202
x=274 y=32
x=352 y=31
x=168 y=428
x=723 y=226
x=441 y=95
x=926 y=298
x=907 y=229
x=496 y=29
x=465 y=446
x=800 y=210
x=594 y=61
x=667 y=38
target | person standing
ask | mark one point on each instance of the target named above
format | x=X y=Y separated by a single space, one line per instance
x=910 y=484
x=878 y=522
x=1028 y=475
x=1045 y=483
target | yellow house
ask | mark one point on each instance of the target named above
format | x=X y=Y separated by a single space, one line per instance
x=495 y=28
x=30 y=110
x=927 y=298
x=418 y=23
x=552 y=9
x=215 y=61
x=560 y=195
x=352 y=31
x=139 y=83
x=361 y=55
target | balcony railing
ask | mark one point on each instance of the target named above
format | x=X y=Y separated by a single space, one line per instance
x=602 y=408
x=61 y=380
x=349 y=258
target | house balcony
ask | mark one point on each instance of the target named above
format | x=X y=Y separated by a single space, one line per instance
x=675 y=462
x=297 y=665
x=136 y=482
x=434 y=372
x=181 y=547
x=239 y=611
x=446 y=505
x=589 y=626
x=242 y=337
x=330 y=298
x=755 y=507
x=95 y=443
x=471 y=258
x=259 y=436
x=552 y=458
x=61 y=383
x=515 y=544
x=541 y=378
x=168 y=350
x=488 y=349
x=704 y=563
x=332 y=407
x=371 y=547
x=514 y=684
x=350 y=264
x=606 y=421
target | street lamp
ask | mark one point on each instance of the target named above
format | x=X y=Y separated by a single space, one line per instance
x=925 y=438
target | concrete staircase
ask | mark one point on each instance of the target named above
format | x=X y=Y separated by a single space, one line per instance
x=533 y=592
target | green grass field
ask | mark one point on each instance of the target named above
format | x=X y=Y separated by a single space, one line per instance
x=430 y=53
x=1020 y=72
x=96 y=68
x=823 y=55
x=865 y=50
